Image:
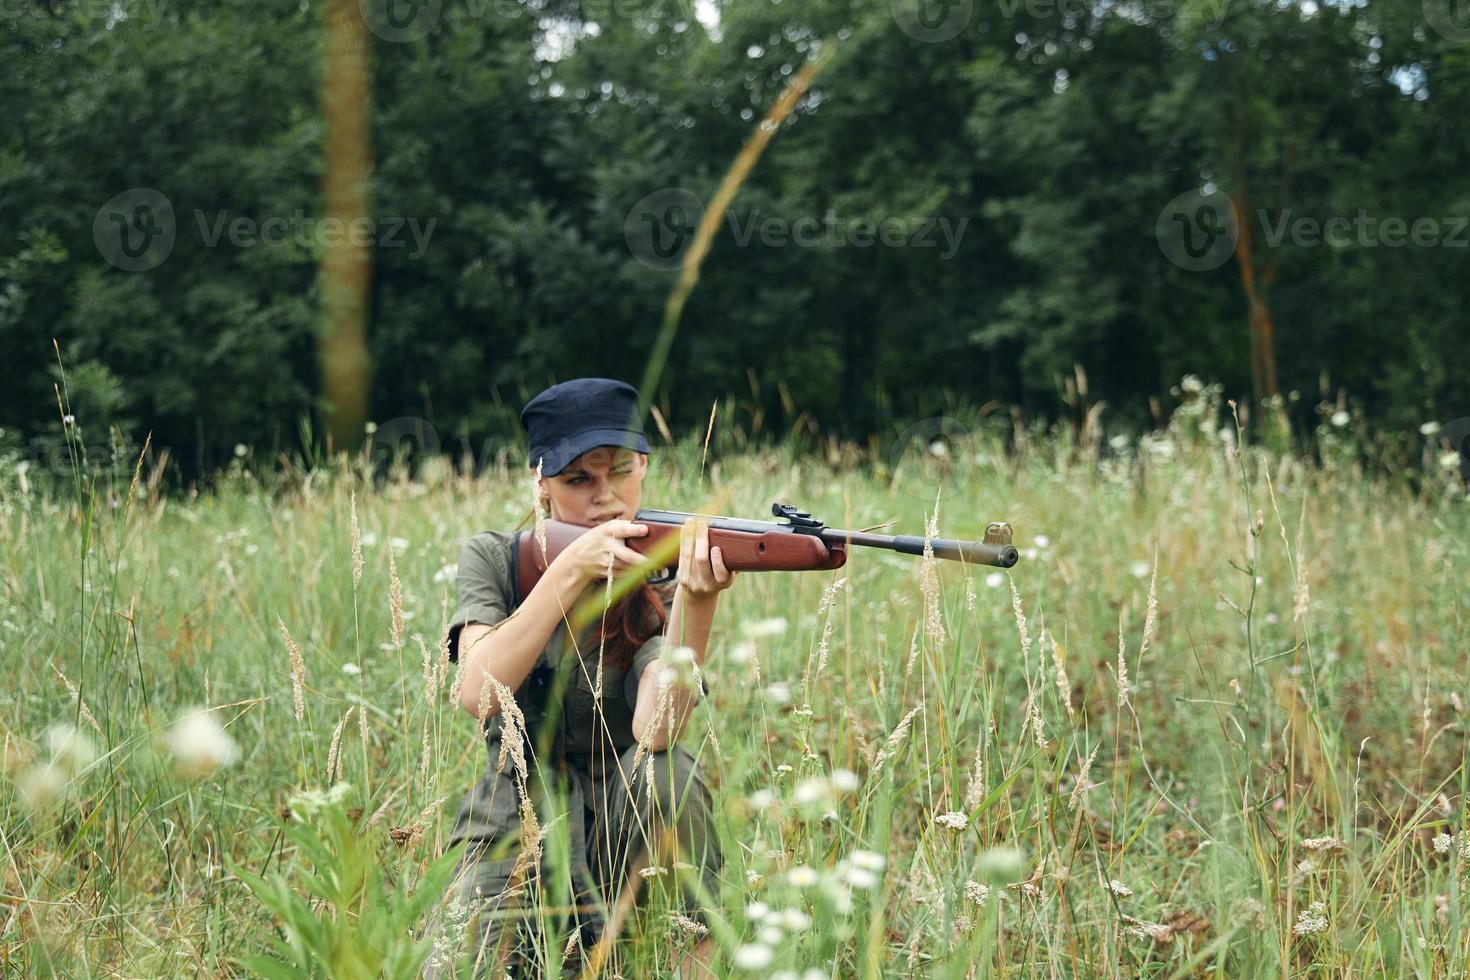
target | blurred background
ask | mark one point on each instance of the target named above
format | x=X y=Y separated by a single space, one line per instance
x=251 y=226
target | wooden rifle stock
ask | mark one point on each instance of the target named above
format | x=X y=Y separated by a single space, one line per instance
x=798 y=544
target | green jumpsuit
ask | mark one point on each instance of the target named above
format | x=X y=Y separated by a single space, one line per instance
x=593 y=759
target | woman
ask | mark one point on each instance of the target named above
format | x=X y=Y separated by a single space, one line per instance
x=639 y=808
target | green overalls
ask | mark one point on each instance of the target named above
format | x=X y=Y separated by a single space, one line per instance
x=612 y=813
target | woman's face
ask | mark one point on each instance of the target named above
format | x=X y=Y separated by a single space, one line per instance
x=602 y=484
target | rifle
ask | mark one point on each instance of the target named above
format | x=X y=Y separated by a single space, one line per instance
x=799 y=543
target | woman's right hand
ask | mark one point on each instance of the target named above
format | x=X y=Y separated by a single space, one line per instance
x=588 y=556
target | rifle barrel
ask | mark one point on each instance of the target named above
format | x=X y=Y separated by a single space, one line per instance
x=970 y=552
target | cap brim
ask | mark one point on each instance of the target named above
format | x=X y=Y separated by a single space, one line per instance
x=556 y=458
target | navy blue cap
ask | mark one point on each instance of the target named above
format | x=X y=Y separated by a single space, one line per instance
x=566 y=420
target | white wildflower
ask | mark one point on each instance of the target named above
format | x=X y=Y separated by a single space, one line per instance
x=779 y=692
x=754 y=878
x=861 y=878
x=41 y=785
x=763 y=628
x=761 y=799
x=688 y=924
x=1429 y=428
x=801 y=876
x=811 y=791
x=976 y=893
x=995 y=580
x=1001 y=864
x=1443 y=843
x=351 y=669
x=756 y=911
x=794 y=920
x=1310 y=920
x=1339 y=419
x=1139 y=569
x=311 y=801
x=753 y=956
x=844 y=780
x=771 y=935
x=70 y=750
x=199 y=744
x=1118 y=888
x=954 y=820
x=679 y=656
x=1322 y=844
x=871 y=860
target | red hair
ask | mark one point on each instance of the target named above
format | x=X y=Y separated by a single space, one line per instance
x=621 y=630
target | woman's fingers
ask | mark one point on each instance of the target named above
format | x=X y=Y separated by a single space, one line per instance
x=701 y=544
x=717 y=562
x=626 y=555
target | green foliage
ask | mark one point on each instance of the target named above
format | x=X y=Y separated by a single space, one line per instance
x=355 y=921
x=1057 y=134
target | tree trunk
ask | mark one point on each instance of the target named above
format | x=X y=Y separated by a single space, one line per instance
x=346 y=266
x=1262 y=327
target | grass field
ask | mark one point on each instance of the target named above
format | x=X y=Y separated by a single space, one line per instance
x=1212 y=723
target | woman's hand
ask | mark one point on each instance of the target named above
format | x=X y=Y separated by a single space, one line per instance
x=588 y=556
x=702 y=571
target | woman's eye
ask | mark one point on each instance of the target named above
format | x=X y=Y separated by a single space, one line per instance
x=577 y=480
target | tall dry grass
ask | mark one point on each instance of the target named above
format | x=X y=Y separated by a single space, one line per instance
x=1214 y=722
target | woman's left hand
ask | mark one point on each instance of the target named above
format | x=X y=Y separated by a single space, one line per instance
x=702 y=571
